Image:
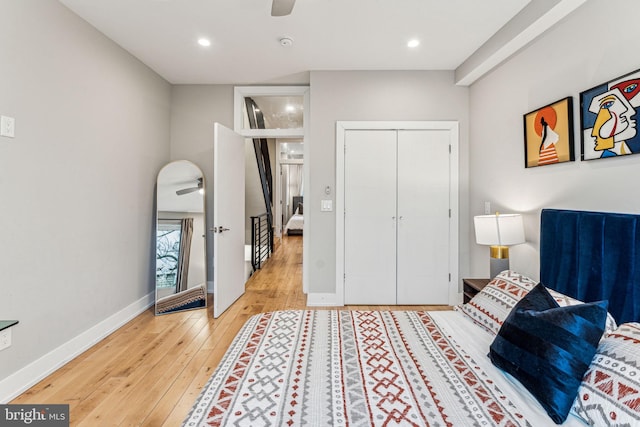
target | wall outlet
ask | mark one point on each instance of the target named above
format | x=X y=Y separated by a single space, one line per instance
x=7 y=126
x=487 y=208
x=5 y=338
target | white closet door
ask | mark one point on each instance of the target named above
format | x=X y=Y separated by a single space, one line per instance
x=423 y=217
x=370 y=217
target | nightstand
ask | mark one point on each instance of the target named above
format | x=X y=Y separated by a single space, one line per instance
x=470 y=287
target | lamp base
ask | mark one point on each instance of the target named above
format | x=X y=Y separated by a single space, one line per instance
x=497 y=265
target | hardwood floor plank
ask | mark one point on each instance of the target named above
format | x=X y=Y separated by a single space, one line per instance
x=150 y=371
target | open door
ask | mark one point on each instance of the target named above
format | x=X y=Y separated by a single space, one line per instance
x=228 y=217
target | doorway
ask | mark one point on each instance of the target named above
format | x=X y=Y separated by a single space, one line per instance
x=289 y=188
x=286 y=119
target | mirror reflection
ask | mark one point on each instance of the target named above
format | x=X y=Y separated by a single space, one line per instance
x=181 y=273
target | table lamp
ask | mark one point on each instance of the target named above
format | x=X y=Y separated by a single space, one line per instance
x=499 y=231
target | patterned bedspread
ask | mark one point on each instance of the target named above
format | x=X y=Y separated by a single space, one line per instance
x=339 y=368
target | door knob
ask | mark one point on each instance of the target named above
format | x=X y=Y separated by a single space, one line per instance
x=220 y=229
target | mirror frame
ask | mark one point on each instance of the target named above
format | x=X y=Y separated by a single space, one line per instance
x=193 y=180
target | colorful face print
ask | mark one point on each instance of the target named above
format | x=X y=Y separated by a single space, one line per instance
x=613 y=119
x=629 y=89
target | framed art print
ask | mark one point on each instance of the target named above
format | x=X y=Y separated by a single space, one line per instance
x=548 y=134
x=608 y=118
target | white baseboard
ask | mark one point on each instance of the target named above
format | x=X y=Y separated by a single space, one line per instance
x=322 y=300
x=18 y=382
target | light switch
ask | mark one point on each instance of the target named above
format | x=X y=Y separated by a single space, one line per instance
x=326 y=206
x=7 y=126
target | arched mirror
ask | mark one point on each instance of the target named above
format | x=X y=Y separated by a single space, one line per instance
x=181 y=268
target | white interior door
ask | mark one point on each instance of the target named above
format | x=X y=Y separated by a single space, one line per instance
x=423 y=217
x=228 y=217
x=370 y=217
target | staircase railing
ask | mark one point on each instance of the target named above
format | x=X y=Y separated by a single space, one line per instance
x=261 y=240
x=261 y=148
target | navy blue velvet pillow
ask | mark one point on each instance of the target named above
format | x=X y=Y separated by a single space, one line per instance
x=549 y=348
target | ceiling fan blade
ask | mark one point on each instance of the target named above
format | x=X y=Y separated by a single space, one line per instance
x=199 y=184
x=187 y=190
x=282 y=7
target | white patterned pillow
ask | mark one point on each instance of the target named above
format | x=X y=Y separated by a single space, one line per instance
x=610 y=391
x=489 y=307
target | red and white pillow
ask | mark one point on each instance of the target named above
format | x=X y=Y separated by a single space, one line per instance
x=610 y=391
x=490 y=307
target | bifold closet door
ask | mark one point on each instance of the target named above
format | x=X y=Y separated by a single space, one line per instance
x=370 y=217
x=423 y=217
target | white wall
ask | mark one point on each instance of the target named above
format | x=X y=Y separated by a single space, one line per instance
x=371 y=95
x=77 y=181
x=593 y=45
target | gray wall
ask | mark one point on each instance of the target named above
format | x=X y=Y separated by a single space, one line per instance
x=371 y=95
x=574 y=56
x=76 y=183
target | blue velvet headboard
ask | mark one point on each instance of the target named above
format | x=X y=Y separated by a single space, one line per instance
x=593 y=256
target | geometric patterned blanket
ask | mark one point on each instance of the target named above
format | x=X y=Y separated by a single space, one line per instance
x=349 y=368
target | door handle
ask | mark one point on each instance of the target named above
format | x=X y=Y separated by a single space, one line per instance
x=220 y=229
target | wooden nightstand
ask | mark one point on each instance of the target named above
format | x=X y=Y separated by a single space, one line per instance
x=470 y=287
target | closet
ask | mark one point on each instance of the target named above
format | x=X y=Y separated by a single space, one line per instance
x=397 y=207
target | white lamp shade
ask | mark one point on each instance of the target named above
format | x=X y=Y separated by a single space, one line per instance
x=499 y=230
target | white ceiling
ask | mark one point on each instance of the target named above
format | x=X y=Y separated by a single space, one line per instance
x=327 y=35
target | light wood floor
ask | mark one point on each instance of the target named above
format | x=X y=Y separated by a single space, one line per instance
x=150 y=371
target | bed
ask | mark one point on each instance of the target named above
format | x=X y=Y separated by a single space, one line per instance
x=295 y=224
x=340 y=367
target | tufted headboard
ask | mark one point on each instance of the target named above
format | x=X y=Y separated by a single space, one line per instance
x=593 y=256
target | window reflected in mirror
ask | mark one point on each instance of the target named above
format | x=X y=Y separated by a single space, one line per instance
x=167 y=253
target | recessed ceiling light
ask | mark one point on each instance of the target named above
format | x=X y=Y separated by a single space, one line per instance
x=204 y=42
x=413 y=43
